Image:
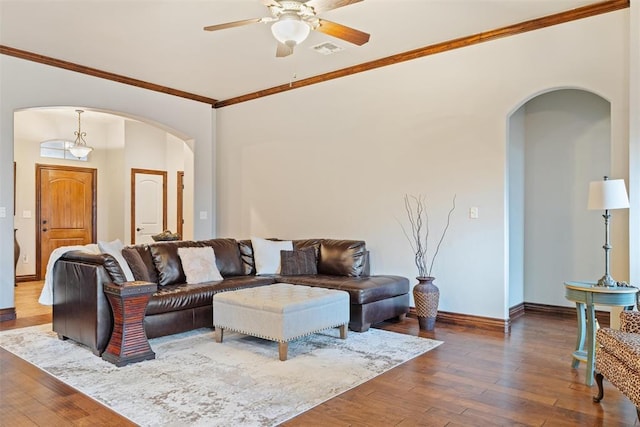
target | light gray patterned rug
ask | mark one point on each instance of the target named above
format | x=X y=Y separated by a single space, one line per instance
x=196 y=381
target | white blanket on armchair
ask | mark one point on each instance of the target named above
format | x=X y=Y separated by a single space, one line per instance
x=46 y=296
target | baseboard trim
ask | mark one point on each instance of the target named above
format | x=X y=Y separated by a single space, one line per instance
x=7 y=314
x=26 y=278
x=604 y=317
x=515 y=312
x=475 y=321
x=532 y=307
x=469 y=320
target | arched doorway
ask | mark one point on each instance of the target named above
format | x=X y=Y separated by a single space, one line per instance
x=558 y=142
x=120 y=143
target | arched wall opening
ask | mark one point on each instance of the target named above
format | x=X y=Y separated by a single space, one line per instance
x=121 y=142
x=25 y=84
x=558 y=142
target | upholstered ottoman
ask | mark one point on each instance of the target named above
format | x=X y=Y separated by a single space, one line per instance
x=280 y=312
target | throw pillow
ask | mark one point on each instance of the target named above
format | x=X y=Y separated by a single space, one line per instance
x=300 y=262
x=136 y=264
x=266 y=254
x=342 y=257
x=227 y=256
x=246 y=254
x=114 y=249
x=199 y=264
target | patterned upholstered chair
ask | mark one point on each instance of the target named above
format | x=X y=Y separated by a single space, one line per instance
x=618 y=357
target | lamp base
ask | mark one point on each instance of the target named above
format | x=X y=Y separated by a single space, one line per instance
x=607 y=281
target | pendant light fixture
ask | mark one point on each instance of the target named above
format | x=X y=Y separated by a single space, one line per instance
x=80 y=148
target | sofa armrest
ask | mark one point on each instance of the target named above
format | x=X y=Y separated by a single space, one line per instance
x=80 y=308
x=107 y=261
x=630 y=321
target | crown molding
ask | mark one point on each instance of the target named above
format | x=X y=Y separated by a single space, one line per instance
x=30 y=56
x=510 y=30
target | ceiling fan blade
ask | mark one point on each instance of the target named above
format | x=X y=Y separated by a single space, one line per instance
x=283 y=50
x=232 y=24
x=342 y=32
x=320 y=6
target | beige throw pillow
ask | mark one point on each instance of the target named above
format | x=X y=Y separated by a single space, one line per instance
x=199 y=264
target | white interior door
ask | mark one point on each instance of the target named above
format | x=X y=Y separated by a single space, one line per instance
x=148 y=204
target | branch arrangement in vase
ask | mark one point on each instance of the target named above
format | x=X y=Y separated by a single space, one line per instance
x=418 y=235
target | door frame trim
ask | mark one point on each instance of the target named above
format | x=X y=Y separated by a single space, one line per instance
x=135 y=171
x=94 y=206
x=180 y=203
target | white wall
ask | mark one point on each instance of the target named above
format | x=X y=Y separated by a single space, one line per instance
x=114 y=187
x=334 y=159
x=634 y=142
x=567 y=145
x=25 y=84
x=516 y=193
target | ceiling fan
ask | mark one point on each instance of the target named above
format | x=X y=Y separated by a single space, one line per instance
x=293 y=20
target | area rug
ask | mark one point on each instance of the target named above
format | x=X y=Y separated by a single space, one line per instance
x=196 y=381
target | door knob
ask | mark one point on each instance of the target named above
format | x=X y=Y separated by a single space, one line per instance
x=44 y=229
x=139 y=229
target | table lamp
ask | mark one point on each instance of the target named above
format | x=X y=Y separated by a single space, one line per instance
x=607 y=194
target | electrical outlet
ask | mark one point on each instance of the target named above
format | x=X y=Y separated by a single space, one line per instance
x=3 y=212
x=473 y=212
x=25 y=259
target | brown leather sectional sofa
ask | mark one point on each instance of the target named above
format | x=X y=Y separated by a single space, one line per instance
x=82 y=313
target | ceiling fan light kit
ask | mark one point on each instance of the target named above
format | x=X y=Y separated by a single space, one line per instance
x=290 y=30
x=294 y=20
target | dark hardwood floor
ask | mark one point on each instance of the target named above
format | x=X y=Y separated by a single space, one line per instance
x=476 y=378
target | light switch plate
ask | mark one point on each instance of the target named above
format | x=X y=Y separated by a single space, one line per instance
x=26 y=214
x=203 y=214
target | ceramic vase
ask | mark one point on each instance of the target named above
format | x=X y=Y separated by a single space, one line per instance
x=426 y=296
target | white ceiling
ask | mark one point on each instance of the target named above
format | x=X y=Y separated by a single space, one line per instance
x=162 y=41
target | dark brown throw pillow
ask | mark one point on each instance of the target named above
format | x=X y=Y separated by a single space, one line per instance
x=136 y=264
x=342 y=257
x=113 y=268
x=228 y=256
x=297 y=263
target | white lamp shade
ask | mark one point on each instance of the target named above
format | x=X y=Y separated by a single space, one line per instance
x=608 y=194
x=290 y=30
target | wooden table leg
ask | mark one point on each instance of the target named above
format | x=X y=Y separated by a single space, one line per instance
x=579 y=354
x=591 y=350
x=219 y=334
x=343 y=331
x=283 y=348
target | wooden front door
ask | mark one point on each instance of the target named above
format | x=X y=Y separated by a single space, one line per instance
x=65 y=210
